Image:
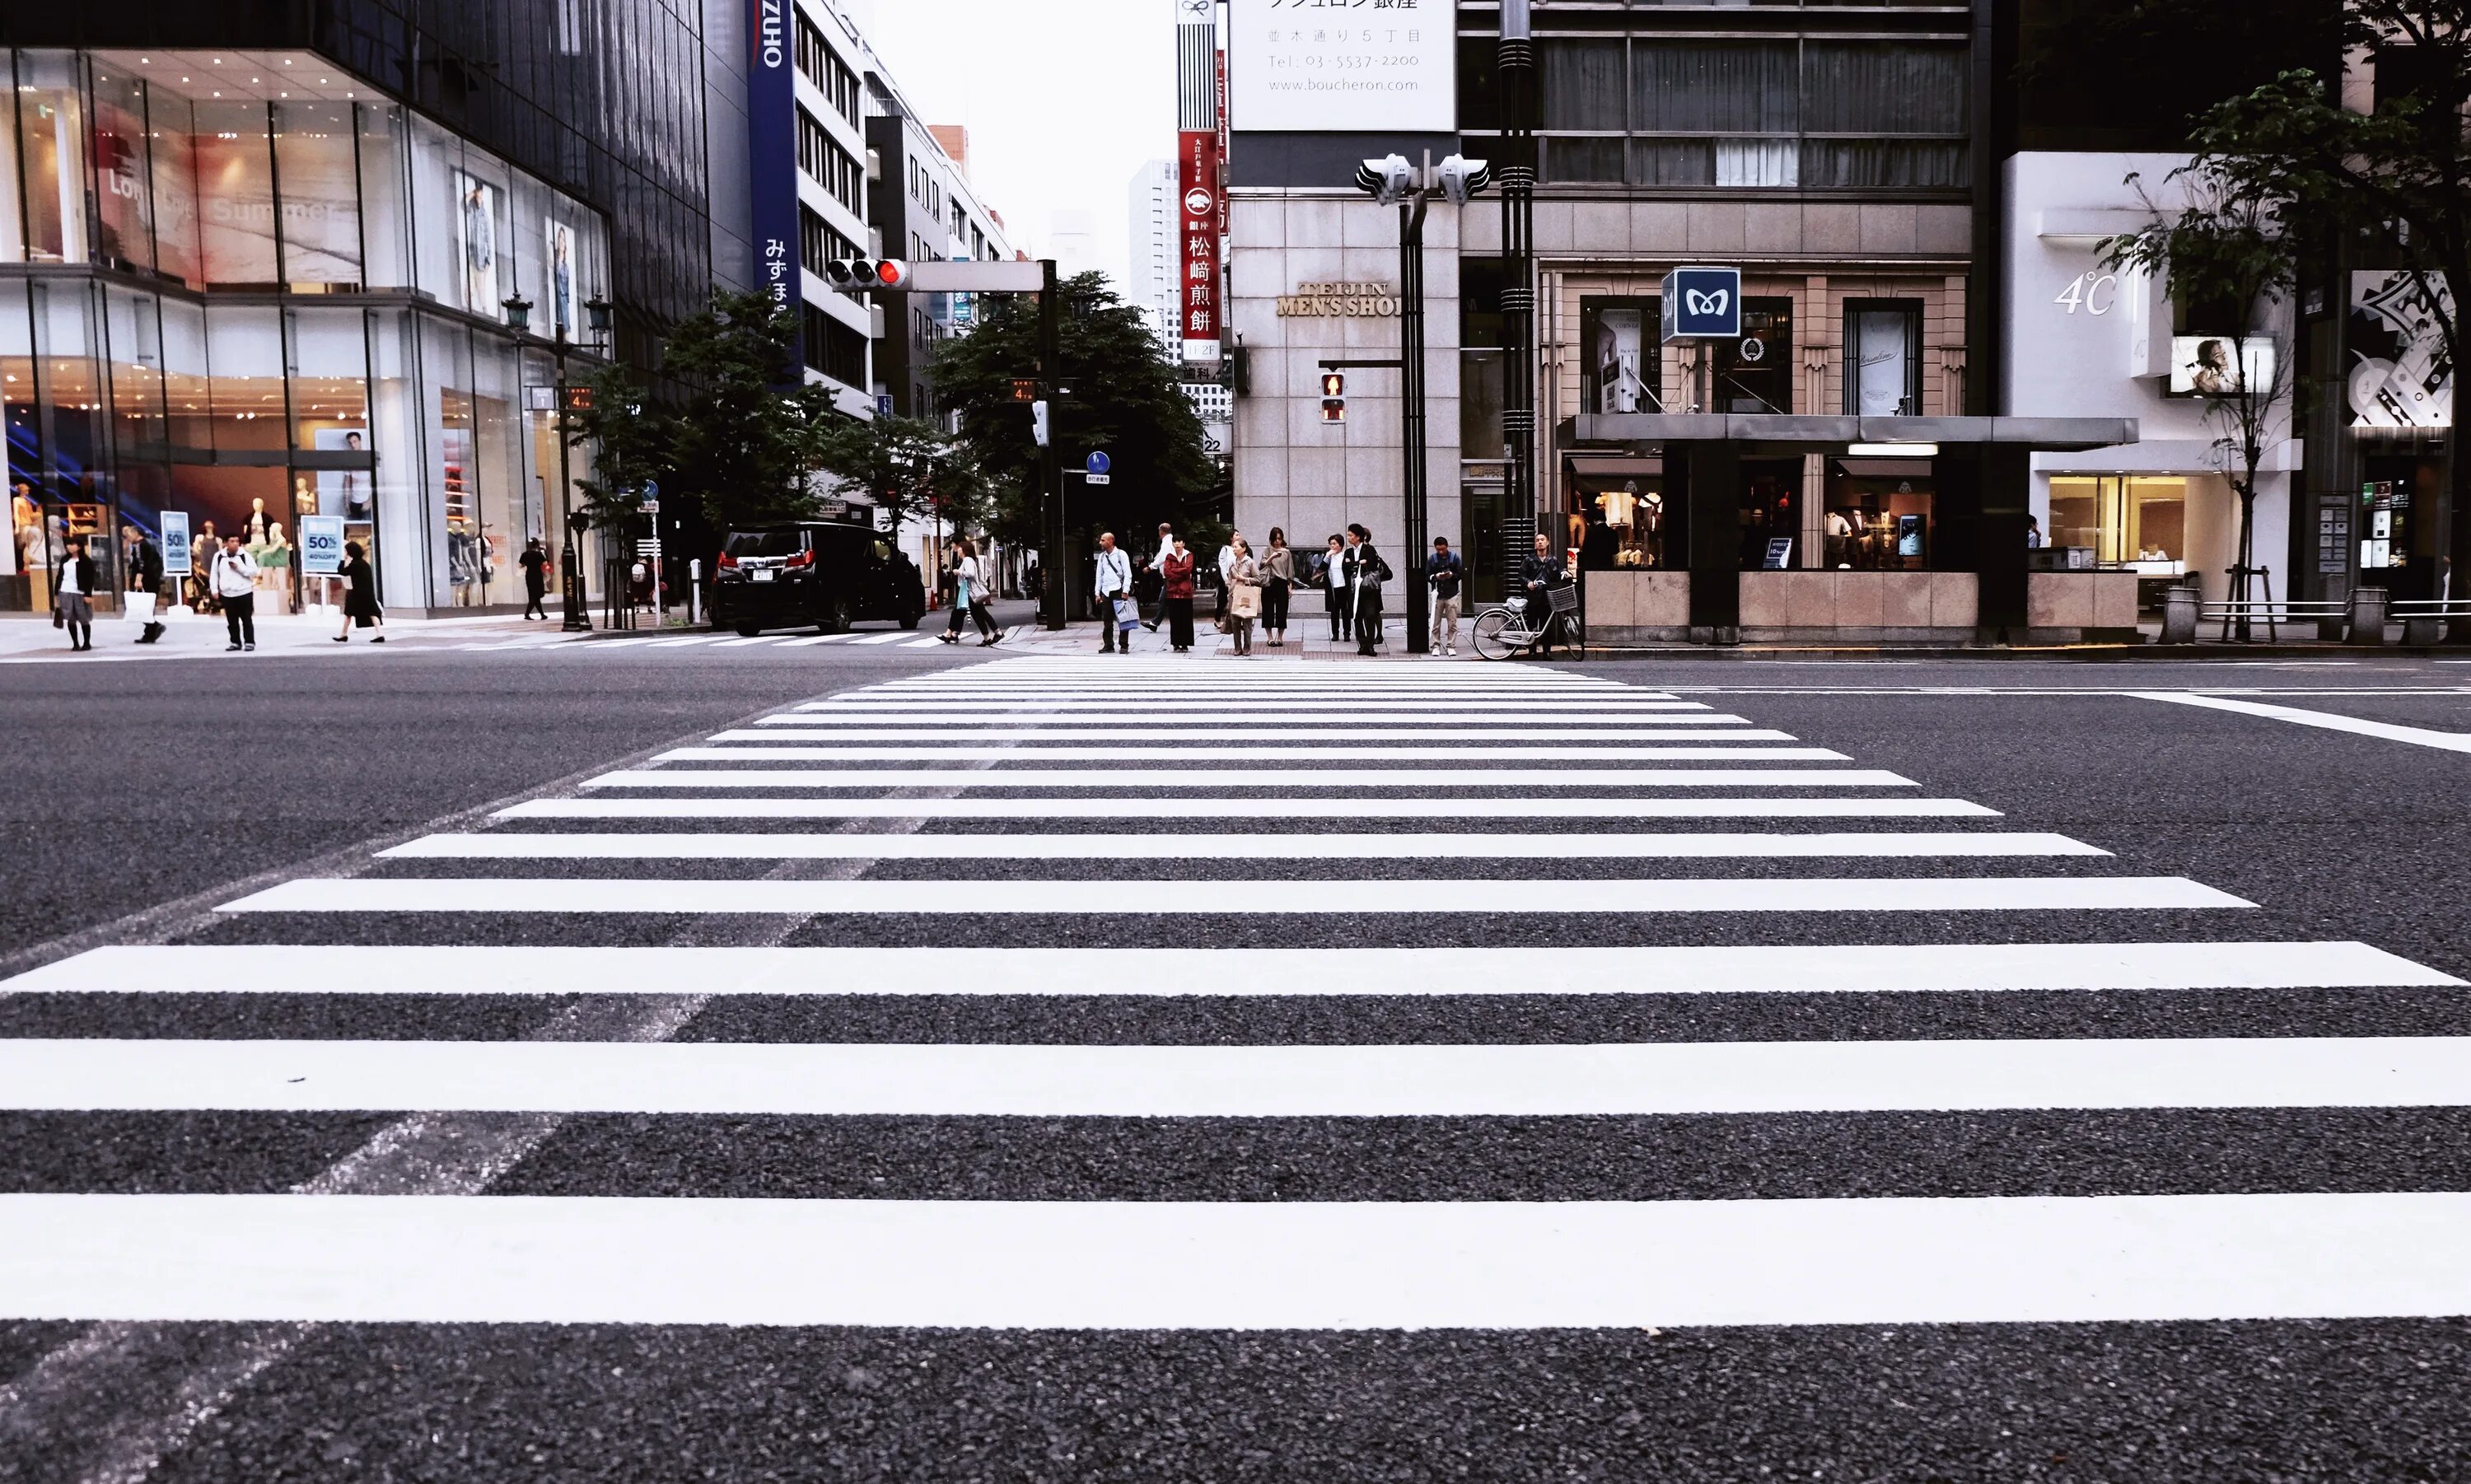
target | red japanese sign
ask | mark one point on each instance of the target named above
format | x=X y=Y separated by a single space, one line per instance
x=1198 y=214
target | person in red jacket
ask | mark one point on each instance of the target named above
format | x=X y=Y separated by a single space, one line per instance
x=1177 y=570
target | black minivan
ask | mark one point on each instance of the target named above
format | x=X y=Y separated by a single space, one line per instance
x=824 y=573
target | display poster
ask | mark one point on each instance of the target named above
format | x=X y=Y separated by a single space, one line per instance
x=2208 y=366
x=1197 y=215
x=772 y=161
x=476 y=243
x=122 y=200
x=1615 y=359
x=322 y=545
x=1909 y=535
x=559 y=256
x=176 y=544
x=344 y=492
x=1338 y=66
x=2400 y=374
x=1780 y=554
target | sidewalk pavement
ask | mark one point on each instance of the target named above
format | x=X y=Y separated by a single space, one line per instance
x=196 y=633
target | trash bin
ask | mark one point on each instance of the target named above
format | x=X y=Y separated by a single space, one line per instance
x=2368 y=615
x=2180 y=608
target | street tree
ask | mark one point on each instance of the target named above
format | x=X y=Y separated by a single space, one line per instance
x=738 y=445
x=2392 y=185
x=628 y=439
x=2235 y=252
x=907 y=465
x=1114 y=392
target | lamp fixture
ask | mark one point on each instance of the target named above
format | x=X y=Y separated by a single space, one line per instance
x=1892 y=451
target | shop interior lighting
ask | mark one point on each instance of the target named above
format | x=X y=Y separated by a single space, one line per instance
x=1892 y=451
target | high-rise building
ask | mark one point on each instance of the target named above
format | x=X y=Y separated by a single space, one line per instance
x=256 y=269
x=1151 y=228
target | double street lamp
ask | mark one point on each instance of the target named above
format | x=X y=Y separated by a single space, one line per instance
x=1392 y=180
x=519 y=318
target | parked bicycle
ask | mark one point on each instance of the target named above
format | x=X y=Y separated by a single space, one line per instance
x=1502 y=631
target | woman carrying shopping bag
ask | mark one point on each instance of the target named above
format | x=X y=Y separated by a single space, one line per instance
x=1277 y=583
x=1243 y=594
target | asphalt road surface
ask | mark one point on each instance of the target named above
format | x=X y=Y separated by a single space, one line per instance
x=857 y=1063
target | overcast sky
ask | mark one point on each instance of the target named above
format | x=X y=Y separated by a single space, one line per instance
x=1063 y=101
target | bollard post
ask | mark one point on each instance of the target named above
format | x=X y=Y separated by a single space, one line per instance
x=694 y=591
x=2179 y=609
x=2369 y=616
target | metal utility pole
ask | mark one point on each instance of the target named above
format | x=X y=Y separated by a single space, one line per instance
x=1050 y=470
x=1411 y=391
x=1516 y=58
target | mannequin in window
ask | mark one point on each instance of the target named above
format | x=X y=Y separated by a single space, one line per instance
x=1840 y=540
x=253 y=533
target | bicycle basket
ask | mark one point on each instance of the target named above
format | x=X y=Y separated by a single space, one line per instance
x=1564 y=599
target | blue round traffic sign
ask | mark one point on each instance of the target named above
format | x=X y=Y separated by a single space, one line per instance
x=1096 y=463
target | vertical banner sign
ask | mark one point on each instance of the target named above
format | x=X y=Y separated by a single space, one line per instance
x=1197 y=190
x=1221 y=105
x=772 y=157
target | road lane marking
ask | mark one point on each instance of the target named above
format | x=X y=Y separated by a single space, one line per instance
x=991 y=733
x=1234 y=1264
x=863 y=705
x=1207 y=752
x=1189 y=899
x=755 y=639
x=1674 y=1079
x=1459 y=810
x=1272 y=973
x=1126 y=781
x=2386 y=731
x=817 y=639
x=894 y=636
x=1519 y=847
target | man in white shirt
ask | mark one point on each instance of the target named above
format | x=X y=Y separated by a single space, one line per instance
x=1113 y=583
x=233 y=577
x=1226 y=575
x=1158 y=563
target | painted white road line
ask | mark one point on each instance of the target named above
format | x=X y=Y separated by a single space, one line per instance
x=862 y=704
x=924 y=643
x=1274 y=973
x=1353 y=721
x=890 y=636
x=1206 y=752
x=817 y=639
x=740 y=643
x=1190 y=899
x=1460 y=809
x=1733 y=845
x=1044 y=734
x=671 y=644
x=952 y=1080
x=1124 y=781
x=1234 y=1264
x=589 y=644
x=2386 y=731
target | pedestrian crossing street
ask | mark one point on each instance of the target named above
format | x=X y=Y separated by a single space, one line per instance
x=1348 y=902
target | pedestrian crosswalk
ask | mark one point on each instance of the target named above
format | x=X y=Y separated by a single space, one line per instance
x=1223 y=899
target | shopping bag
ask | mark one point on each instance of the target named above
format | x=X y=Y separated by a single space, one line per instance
x=141 y=606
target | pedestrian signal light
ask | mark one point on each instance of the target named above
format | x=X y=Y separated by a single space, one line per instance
x=1037 y=423
x=1333 y=396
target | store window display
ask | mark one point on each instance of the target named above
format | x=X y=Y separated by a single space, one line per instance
x=1755 y=373
x=1878 y=515
x=1771 y=511
x=1622 y=370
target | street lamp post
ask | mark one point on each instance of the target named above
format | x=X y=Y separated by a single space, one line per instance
x=1392 y=180
x=1516 y=58
x=519 y=318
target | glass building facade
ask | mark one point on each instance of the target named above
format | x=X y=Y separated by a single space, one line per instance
x=254 y=260
x=245 y=288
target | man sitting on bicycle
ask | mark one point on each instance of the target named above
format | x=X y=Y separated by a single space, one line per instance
x=1543 y=572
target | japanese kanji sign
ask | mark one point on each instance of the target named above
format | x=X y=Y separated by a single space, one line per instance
x=1341 y=65
x=1197 y=215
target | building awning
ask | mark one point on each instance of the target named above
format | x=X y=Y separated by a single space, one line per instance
x=1788 y=433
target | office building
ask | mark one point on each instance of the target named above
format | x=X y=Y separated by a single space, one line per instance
x=1153 y=284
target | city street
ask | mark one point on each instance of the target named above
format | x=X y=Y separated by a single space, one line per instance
x=852 y=1061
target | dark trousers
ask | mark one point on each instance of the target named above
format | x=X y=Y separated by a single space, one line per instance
x=1342 y=625
x=533 y=592
x=1274 y=607
x=239 y=618
x=1179 y=619
x=979 y=615
x=1368 y=623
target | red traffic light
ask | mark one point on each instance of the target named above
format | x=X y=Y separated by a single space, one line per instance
x=891 y=273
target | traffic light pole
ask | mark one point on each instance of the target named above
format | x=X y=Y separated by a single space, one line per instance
x=1515 y=58
x=1051 y=525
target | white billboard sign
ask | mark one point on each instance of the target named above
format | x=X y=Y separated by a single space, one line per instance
x=1343 y=66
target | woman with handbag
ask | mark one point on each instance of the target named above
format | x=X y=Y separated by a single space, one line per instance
x=969 y=593
x=360 y=608
x=1277 y=583
x=1332 y=577
x=1243 y=594
x=73 y=585
x=1177 y=571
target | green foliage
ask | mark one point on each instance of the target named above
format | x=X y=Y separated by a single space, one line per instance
x=903 y=465
x=629 y=443
x=1114 y=392
x=739 y=447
